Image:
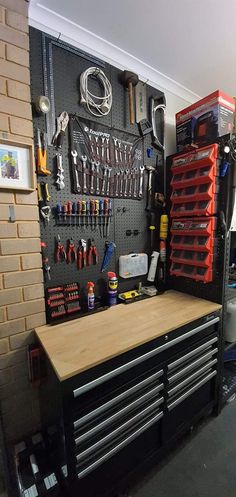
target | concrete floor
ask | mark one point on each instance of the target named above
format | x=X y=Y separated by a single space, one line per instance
x=204 y=465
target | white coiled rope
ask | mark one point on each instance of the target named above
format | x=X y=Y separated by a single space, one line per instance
x=98 y=106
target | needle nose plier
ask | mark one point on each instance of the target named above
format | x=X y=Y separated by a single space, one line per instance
x=71 y=253
x=60 y=251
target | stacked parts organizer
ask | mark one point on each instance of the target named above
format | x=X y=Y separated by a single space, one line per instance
x=194 y=187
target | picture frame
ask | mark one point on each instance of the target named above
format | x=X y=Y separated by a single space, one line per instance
x=16 y=166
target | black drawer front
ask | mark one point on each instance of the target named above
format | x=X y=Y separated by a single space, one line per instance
x=189 y=372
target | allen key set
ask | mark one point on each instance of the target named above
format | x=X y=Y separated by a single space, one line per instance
x=104 y=164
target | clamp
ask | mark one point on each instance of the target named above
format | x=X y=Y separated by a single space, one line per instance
x=92 y=252
x=71 y=253
x=60 y=250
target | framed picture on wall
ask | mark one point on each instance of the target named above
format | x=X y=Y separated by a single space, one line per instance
x=16 y=166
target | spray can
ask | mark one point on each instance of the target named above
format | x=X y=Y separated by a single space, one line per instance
x=91 y=296
x=112 y=288
x=163 y=226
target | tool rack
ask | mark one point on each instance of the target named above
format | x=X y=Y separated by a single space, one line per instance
x=55 y=71
x=194 y=186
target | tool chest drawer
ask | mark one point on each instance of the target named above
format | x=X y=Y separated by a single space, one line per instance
x=194 y=183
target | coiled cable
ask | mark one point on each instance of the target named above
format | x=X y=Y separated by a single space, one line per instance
x=97 y=106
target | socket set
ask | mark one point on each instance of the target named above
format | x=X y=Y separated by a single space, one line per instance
x=194 y=183
x=104 y=163
x=62 y=300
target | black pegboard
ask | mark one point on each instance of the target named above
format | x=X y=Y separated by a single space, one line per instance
x=66 y=64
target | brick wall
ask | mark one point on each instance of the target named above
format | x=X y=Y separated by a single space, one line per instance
x=21 y=278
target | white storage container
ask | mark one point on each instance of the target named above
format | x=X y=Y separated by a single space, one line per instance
x=133 y=265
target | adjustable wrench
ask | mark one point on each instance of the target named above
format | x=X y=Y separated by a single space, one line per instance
x=92 y=177
x=105 y=169
x=108 y=180
x=97 y=164
x=126 y=182
x=84 y=162
x=141 y=169
x=74 y=156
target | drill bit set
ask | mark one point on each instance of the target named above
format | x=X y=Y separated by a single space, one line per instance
x=104 y=163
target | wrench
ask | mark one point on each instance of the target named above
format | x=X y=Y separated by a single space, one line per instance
x=103 y=147
x=120 y=152
x=125 y=153
x=117 y=184
x=108 y=149
x=141 y=169
x=108 y=180
x=104 y=180
x=97 y=164
x=130 y=154
x=92 y=177
x=84 y=162
x=126 y=182
x=135 y=182
x=116 y=153
x=97 y=146
x=121 y=181
x=74 y=156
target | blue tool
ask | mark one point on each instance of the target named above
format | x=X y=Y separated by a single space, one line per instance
x=109 y=249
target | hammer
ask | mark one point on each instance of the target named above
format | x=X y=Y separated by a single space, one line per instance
x=129 y=80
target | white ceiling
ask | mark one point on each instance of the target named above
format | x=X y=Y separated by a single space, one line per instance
x=190 y=41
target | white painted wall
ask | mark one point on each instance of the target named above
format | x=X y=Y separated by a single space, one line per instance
x=177 y=96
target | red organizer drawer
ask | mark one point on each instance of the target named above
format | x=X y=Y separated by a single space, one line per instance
x=195 y=273
x=194 y=183
x=192 y=248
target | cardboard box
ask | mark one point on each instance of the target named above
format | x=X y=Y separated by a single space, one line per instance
x=204 y=121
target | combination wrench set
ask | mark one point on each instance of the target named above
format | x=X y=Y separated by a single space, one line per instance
x=104 y=164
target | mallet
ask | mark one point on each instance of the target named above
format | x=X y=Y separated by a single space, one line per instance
x=129 y=80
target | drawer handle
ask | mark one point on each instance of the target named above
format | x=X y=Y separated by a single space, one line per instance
x=120 y=446
x=116 y=432
x=118 y=414
x=118 y=398
x=193 y=365
x=142 y=358
x=175 y=403
x=193 y=376
x=192 y=353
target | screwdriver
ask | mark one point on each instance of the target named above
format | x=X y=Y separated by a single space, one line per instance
x=101 y=210
x=92 y=210
x=96 y=211
x=79 y=211
x=87 y=213
x=59 y=211
x=69 y=209
x=105 y=216
x=64 y=210
x=74 y=207
x=109 y=216
x=83 y=212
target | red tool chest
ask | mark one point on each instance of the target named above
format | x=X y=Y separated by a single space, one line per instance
x=194 y=183
x=194 y=188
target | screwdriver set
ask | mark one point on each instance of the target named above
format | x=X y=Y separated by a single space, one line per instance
x=104 y=163
x=62 y=300
x=90 y=213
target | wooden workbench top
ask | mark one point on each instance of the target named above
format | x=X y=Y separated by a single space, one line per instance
x=78 y=345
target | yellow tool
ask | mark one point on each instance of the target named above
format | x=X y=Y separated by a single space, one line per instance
x=163 y=227
x=42 y=154
x=40 y=197
x=48 y=196
x=132 y=294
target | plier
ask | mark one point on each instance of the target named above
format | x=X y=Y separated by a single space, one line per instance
x=71 y=253
x=60 y=250
x=92 y=252
x=82 y=254
x=62 y=122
